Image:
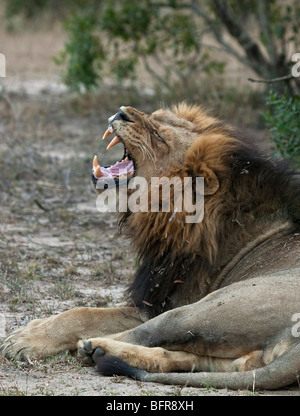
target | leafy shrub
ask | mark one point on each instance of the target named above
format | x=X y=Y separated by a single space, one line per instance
x=283 y=121
x=83 y=53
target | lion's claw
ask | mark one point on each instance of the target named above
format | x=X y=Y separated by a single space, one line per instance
x=88 y=347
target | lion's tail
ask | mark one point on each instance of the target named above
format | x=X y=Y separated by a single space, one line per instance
x=281 y=372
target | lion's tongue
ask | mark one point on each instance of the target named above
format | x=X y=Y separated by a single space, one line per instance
x=121 y=169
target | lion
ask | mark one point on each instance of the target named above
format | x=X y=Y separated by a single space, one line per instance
x=214 y=301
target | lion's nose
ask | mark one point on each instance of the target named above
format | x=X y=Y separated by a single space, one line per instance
x=120 y=115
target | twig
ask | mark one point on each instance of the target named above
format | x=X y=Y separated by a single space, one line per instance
x=270 y=81
x=40 y=205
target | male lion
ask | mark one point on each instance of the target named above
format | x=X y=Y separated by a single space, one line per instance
x=215 y=301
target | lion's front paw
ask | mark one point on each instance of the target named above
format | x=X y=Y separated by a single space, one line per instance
x=31 y=340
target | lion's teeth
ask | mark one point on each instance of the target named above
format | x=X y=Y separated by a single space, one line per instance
x=114 y=141
x=97 y=172
x=108 y=132
x=95 y=162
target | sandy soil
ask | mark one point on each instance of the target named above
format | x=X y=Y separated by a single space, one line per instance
x=56 y=250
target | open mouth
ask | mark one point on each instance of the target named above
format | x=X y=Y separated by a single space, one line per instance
x=123 y=169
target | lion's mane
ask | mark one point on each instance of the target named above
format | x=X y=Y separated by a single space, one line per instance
x=180 y=263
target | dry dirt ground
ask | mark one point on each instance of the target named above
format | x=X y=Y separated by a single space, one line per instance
x=56 y=250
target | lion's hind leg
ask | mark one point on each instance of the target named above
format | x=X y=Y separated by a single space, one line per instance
x=284 y=370
x=153 y=360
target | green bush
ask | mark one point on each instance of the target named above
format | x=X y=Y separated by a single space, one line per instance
x=83 y=54
x=283 y=121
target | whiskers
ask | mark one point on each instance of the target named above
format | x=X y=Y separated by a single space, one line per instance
x=146 y=150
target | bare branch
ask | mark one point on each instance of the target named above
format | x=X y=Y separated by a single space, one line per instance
x=264 y=21
x=270 y=81
x=255 y=57
x=153 y=73
x=195 y=7
x=217 y=32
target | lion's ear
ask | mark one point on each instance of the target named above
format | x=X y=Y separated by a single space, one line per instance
x=211 y=182
x=195 y=165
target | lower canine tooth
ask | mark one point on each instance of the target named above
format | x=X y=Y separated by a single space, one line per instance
x=95 y=162
x=97 y=172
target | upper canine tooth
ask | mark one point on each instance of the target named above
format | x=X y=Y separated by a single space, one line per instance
x=114 y=141
x=95 y=162
x=107 y=132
